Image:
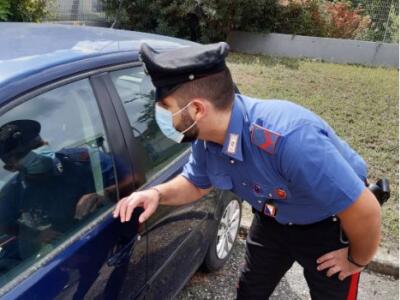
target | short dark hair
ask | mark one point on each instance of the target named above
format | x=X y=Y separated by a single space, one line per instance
x=217 y=88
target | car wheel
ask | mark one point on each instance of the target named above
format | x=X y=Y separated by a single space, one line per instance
x=222 y=244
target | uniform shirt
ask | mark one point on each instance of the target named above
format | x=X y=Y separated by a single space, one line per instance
x=49 y=201
x=280 y=156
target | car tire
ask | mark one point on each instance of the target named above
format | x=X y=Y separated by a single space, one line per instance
x=224 y=239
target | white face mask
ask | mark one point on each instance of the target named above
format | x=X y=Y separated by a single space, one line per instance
x=164 y=119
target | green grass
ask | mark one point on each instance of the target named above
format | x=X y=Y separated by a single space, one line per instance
x=360 y=103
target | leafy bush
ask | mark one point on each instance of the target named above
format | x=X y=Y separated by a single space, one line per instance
x=205 y=21
x=345 y=22
x=211 y=20
x=300 y=17
x=4 y=9
x=23 y=10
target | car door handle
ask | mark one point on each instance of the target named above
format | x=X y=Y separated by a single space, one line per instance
x=117 y=257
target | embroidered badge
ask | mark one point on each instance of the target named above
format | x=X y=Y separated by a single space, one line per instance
x=257 y=188
x=270 y=209
x=264 y=138
x=232 y=144
x=280 y=193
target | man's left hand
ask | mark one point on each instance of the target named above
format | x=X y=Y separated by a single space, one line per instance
x=337 y=262
x=87 y=204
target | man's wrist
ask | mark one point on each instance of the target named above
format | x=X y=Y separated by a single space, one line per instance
x=160 y=195
x=351 y=259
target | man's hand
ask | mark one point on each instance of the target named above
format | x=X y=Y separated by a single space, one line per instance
x=88 y=204
x=337 y=262
x=148 y=199
x=48 y=235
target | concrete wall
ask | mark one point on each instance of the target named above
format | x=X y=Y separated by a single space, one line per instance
x=328 y=49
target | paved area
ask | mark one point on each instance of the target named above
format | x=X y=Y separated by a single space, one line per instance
x=221 y=284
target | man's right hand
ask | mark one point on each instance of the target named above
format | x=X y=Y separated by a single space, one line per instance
x=148 y=199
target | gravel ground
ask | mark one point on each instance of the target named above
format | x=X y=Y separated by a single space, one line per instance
x=222 y=284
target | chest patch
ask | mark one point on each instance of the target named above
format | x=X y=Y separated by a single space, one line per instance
x=264 y=138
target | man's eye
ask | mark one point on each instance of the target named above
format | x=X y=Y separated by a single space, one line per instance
x=162 y=105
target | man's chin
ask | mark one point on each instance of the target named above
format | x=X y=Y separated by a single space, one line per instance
x=190 y=136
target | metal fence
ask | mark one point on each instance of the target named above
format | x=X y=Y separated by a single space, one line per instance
x=83 y=11
x=384 y=15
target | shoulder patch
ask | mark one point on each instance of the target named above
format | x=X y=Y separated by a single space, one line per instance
x=264 y=138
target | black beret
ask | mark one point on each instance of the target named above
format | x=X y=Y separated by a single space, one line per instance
x=19 y=137
x=169 y=69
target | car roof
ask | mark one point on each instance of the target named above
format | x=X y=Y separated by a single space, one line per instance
x=33 y=53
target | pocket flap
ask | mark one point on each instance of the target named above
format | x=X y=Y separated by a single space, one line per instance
x=223 y=182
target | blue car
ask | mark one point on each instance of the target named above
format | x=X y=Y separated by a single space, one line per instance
x=78 y=99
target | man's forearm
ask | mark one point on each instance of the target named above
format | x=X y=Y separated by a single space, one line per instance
x=362 y=225
x=179 y=191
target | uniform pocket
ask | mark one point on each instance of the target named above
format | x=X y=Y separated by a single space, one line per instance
x=223 y=182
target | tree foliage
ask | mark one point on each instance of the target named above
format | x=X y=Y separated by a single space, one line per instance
x=23 y=10
x=212 y=20
x=199 y=20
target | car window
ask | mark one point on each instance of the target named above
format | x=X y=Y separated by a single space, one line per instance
x=56 y=174
x=137 y=94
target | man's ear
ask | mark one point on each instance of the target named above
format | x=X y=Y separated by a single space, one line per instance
x=199 y=108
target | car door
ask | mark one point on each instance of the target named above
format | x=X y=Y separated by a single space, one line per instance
x=58 y=239
x=177 y=236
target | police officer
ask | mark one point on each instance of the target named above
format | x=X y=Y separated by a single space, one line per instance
x=50 y=192
x=305 y=184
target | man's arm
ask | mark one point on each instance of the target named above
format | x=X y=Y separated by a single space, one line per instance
x=177 y=191
x=361 y=222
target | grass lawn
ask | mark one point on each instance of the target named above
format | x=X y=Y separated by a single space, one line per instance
x=360 y=103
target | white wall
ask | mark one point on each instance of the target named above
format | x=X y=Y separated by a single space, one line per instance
x=328 y=49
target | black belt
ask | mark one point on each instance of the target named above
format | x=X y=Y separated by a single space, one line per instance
x=299 y=226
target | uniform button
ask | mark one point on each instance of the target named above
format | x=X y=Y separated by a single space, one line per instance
x=244 y=183
x=257 y=188
x=232 y=161
x=270 y=195
x=290 y=223
x=334 y=219
x=259 y=201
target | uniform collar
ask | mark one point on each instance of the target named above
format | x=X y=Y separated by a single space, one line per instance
x=233 y=138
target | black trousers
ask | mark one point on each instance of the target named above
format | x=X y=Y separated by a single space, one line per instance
x=272 y=248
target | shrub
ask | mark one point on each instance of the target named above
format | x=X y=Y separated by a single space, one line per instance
x=199 y=20
x=23 y=10
x=345 y=22
x=301 y=17
x=4 y=10
x=211 y=20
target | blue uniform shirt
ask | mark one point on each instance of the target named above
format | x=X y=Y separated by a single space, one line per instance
x=281 y=158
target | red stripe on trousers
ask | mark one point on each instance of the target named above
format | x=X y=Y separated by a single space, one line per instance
x=353 y=287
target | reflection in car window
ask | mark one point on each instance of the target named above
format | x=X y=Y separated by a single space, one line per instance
x=137 y=94
x=56 y=173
